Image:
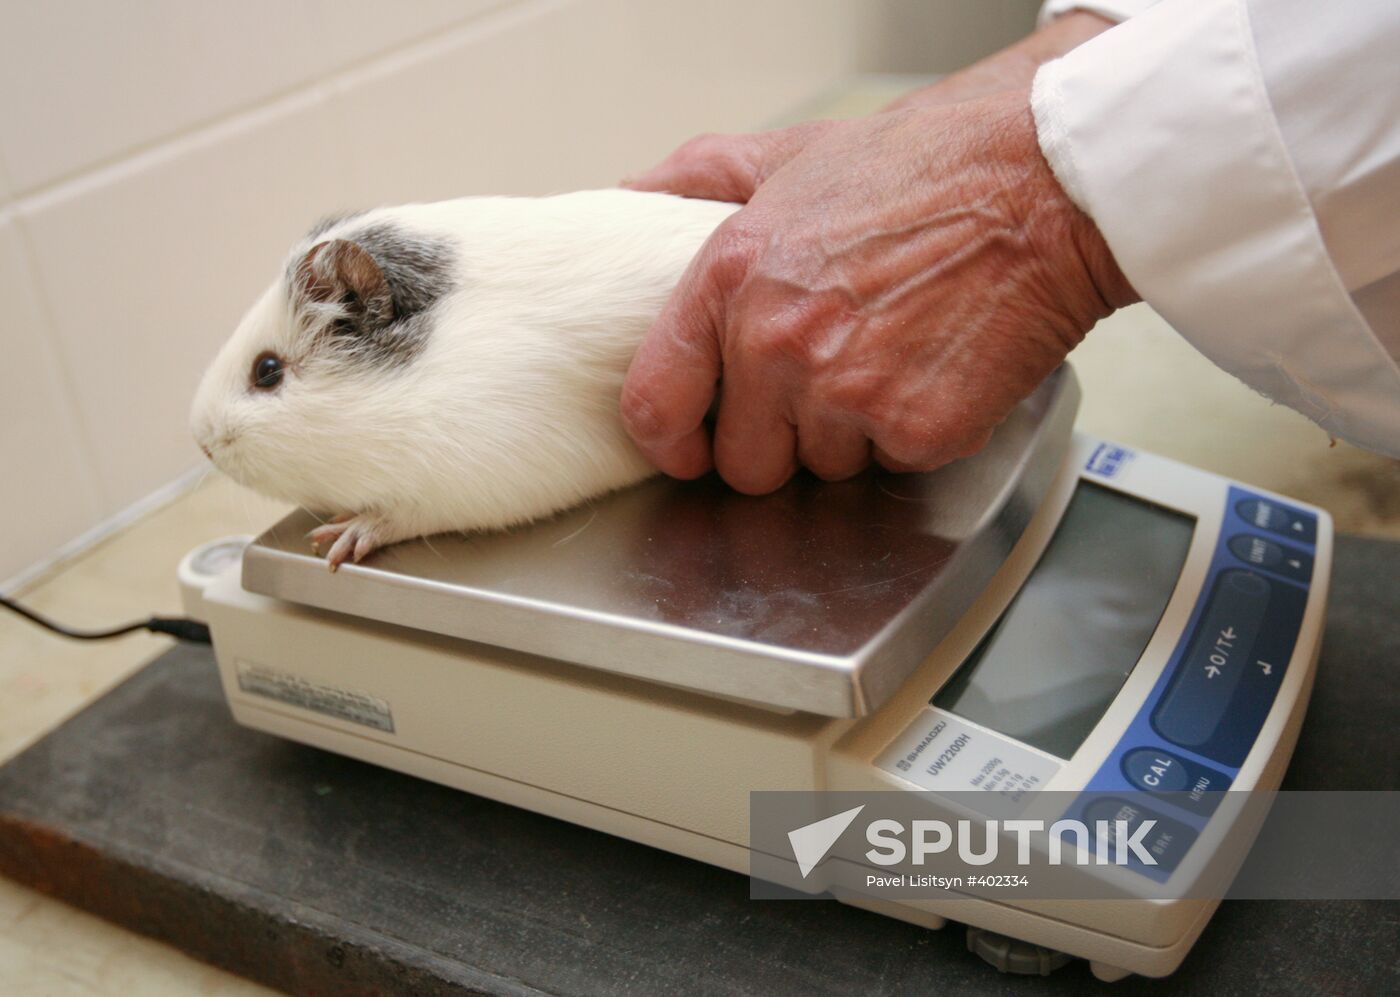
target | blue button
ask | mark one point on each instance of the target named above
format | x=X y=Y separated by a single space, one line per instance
x=1265 y=514
x=1287 y=561
x=1167 y=841
x=1189 y=785
x=1155 y=771
x=1215 y=661
x=1256 y=550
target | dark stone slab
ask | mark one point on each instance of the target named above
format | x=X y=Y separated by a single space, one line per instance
x=317 y=874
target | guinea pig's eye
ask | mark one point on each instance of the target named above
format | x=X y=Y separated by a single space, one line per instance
x=267 y=371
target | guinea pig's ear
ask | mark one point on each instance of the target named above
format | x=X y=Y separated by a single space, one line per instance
x=343 y=272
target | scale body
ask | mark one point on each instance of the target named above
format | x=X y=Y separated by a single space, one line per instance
x=641 y=665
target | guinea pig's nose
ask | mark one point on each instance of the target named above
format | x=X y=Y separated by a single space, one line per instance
x=207 y=452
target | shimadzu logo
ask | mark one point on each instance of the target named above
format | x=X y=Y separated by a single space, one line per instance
x=1115 y=840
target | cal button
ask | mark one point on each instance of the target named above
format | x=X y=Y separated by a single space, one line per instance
x=1156 y=771
x=1189 y=785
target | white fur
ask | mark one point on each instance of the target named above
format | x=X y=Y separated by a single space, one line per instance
x=511 y=411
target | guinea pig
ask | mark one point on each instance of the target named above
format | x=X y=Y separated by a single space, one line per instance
x=453 y=366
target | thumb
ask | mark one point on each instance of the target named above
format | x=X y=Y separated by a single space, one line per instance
x=727 y=167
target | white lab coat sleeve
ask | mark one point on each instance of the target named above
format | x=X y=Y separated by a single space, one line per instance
x=1242 y=160
x=1114 y=10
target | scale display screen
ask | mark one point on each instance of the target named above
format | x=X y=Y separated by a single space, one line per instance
x=1053 y=662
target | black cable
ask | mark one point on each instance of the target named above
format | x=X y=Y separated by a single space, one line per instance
x=183 y=629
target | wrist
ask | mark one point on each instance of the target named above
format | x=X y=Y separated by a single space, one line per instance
x=1088 y=241
x=1081 y=271
x=1108 y=278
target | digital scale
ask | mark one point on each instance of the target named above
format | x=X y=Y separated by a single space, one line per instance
x=641 y=664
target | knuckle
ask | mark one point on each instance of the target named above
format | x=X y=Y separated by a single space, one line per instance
x=889 y=463
x=642 y=419
x=743 y=235
x=733 y=248
x=970 y=443
x=852 y=392
x=913 y=443
x=752 y=479
x=830 y=469
x=924 y=445
x=794 y=330
x=776 y=341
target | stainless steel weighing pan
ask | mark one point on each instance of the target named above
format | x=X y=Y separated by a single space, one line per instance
x=821 y=597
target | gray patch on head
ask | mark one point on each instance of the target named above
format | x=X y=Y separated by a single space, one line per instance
x=418 y=270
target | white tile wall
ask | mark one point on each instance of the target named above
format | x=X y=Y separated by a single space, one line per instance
x=89 y=80
x=562 y=96
x=147 y=271
x=156 y=160
x=46 y=476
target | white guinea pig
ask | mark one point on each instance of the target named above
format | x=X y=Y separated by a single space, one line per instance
x=448 y=367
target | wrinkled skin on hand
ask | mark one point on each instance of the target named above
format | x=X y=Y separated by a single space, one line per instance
x=894 y=286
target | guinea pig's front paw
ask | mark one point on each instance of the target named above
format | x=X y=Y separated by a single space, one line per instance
x=352 y=537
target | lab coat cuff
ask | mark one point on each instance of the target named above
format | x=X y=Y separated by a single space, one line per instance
x=1162 y=131
x=1113 y=10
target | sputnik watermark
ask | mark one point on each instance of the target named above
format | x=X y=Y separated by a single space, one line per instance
x=1104 y=844
x=1117 y=842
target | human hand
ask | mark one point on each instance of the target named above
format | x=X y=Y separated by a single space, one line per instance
x=893 y=288
x=728 y=167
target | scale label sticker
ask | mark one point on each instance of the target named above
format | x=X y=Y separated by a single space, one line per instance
x=940 y=751
x=343 y=704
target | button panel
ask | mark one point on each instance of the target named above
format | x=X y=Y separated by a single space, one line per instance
x=1198 y=724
